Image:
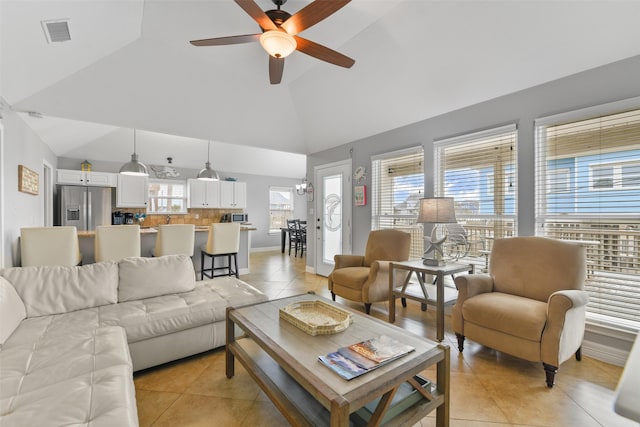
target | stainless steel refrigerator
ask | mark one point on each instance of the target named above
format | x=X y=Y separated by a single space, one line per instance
x=85 y=207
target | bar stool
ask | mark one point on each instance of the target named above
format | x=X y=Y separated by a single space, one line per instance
x=175 y=239
x=223 y=241
x=49 y=246
x=115 y=242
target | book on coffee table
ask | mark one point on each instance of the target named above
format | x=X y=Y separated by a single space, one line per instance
x=359 y=358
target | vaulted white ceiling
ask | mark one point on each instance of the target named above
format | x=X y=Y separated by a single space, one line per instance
x=130 y=65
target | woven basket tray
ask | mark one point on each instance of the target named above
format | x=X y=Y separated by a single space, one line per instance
x=316 y=317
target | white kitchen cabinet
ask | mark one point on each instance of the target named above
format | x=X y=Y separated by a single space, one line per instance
x=132 y=192
x=203 y=194
x=233 y=194
x=75 y=177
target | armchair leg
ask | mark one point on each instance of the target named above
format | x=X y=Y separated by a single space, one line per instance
x=333 y=296
x=579 y=354
x=460 y=338
x=550 y=371
x=367 y=307
x=404 y=302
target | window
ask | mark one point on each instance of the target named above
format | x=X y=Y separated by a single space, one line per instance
x=614 y=176
x=479 y=171
x=167 y=197
x=598 y=152
x=397 y=183
x=280 y=207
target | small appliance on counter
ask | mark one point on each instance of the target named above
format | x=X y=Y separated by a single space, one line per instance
x=117 y=218
x=235 y=217
x=128 y=218
x=239 y=217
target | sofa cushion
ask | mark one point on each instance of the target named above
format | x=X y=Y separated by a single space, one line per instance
x=151 y=277
x=510 y=314
x=12 y=310
x=207 y=303
x=49 y=290
x=85 y=378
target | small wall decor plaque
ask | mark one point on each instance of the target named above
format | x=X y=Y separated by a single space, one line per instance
x=360 y=195
x=28 y=180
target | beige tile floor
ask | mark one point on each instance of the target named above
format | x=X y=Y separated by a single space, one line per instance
x=487 y=388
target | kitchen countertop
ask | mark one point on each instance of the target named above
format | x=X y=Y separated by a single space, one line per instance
x=153 y=230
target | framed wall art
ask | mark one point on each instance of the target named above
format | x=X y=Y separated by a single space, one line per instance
x=28 y=180
x=360 y=195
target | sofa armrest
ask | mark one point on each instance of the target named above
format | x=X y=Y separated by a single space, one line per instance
x=343 y=261
x=563 y=333
x=471 y=285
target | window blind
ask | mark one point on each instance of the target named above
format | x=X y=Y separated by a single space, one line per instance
x=588 y=189
x=397 y=181
x=479 y=171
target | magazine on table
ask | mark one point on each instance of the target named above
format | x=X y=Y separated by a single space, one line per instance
x=359 y=358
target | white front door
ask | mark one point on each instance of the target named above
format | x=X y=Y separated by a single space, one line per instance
x=333 y=213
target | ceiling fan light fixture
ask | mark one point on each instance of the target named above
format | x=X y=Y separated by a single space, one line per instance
x=278 y=43
x=134 y=167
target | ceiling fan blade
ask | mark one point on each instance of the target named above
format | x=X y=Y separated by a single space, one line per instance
x=323 y=53
x=220 y=41
x=256 y=13
x=311 y=15
x=276 y=67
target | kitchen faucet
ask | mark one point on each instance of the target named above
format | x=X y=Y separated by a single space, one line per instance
x=168 y=219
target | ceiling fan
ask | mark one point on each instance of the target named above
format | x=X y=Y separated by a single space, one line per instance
x=279 y=33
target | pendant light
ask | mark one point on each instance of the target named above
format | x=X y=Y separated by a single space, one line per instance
x=208 y=174
x=134 y=167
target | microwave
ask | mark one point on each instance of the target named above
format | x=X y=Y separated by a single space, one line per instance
x=239 y=217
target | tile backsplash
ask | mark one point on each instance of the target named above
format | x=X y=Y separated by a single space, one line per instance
x=194 y=216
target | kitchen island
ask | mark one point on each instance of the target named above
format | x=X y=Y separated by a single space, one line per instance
x=148 y=242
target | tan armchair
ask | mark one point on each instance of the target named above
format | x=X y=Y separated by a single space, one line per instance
x=531 y=305
x=366 y=278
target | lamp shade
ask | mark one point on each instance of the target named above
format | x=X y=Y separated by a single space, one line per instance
x=278 y=43
x=134 y=167
x=437 y=210
x=208 y=174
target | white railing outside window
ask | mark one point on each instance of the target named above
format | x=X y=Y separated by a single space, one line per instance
x=599 y=149
x=479 y=171
x=397 y=181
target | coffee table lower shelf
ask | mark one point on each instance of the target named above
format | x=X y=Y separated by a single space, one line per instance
x=297 y=404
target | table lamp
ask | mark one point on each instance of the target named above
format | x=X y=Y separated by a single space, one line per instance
x=436 y=210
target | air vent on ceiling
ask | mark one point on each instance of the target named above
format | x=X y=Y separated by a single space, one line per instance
x=56 y=30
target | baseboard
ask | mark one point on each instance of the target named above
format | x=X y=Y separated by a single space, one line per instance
x=310 y=269
x=265 y=249
x=605 y=353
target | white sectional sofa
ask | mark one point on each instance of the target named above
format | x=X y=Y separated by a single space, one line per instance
x=71 y=337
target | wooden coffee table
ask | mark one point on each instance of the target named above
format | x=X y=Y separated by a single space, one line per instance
x=283 y=360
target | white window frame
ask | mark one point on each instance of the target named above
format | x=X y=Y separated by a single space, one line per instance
x=291 y=211
x=172 y=182
x=593 y=317
x=405 y=222
x=617 y=176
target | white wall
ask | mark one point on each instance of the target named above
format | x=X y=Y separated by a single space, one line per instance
x=21 y=147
